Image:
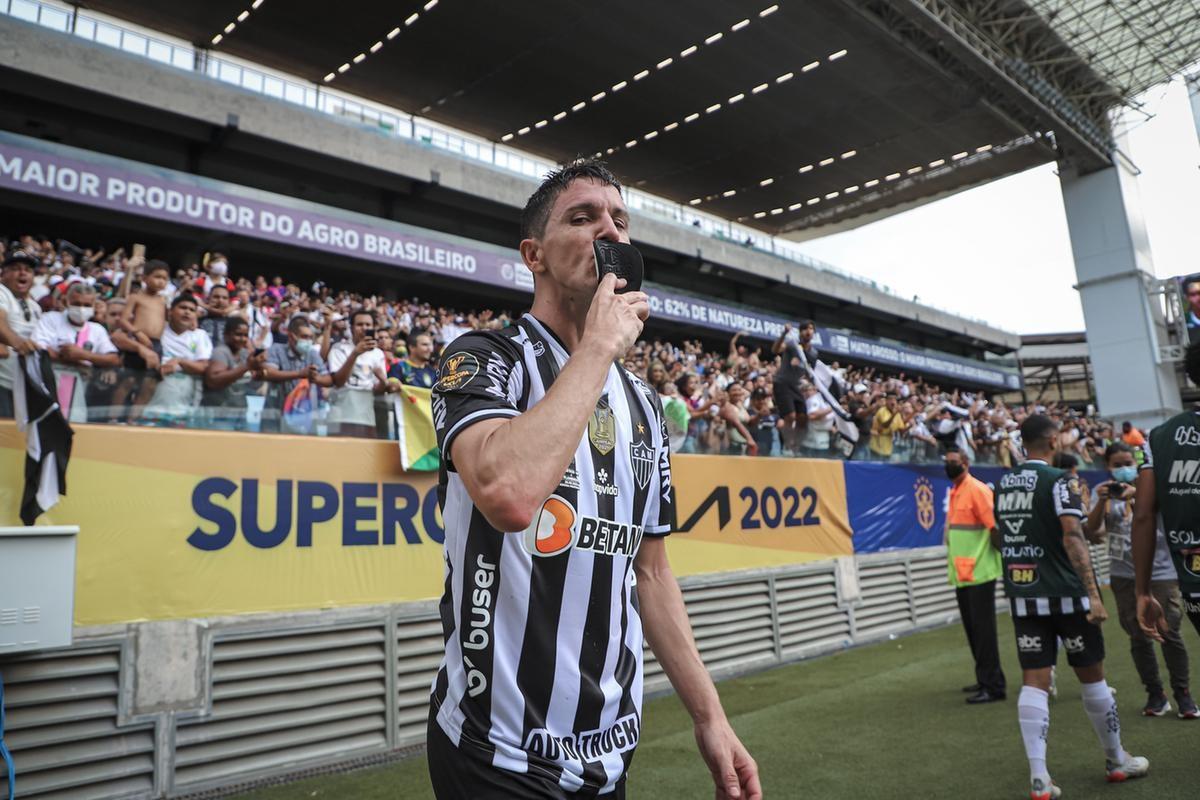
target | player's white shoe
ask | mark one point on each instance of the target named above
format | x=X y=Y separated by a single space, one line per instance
x=1132 y=767
x=1044 y=789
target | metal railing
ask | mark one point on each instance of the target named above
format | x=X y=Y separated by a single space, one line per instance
x=392 y=122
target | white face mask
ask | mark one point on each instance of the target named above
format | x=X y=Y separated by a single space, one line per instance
x=80 y=314
x=218 y=268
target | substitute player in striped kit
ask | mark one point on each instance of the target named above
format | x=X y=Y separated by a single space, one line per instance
x=555 y=488
x=1049 y=580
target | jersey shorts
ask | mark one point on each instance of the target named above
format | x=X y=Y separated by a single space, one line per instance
x=1038 y=638
x=457 y=774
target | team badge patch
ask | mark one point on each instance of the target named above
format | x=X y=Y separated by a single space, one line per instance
x=457 y=371
x=602 y=428
x=641 y=457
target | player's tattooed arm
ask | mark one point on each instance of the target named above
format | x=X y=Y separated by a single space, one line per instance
x=1081 y=560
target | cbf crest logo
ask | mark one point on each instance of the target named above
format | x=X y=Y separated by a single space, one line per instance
x=641 y=457
x=923 y=493
x=602 y=427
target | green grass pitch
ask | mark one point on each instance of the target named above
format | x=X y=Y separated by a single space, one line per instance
x=884 y=722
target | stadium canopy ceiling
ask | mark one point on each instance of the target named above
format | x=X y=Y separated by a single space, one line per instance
x=798 y=117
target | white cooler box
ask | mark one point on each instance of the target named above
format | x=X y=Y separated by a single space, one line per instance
x=37 y=587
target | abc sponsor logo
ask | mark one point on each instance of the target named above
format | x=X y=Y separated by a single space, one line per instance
x=1073 y=644
x=1029 y=644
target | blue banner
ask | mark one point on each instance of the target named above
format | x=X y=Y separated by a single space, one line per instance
x=902 y=506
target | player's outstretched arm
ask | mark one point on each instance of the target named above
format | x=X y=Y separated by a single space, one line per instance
x=1081 y=560
x=1151 y=619
x=667 y=629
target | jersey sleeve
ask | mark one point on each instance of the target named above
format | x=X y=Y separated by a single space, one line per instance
x=480 y=378
x=660 y=505
x=1147 y=455
x=1068 y=497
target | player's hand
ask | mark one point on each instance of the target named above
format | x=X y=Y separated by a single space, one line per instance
x=614 y=321
x=1098 y=613
x=734 y=772
x=1151 y=619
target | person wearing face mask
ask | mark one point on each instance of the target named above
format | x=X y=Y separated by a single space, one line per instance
x=974 y=567
x=288 y=364
x=1111 y=518
x=75 y=344
x=216 y=273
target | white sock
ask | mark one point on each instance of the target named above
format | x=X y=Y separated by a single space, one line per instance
x=1033 y=713
x=1101 y=708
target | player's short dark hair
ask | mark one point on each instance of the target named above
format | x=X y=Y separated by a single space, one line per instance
x=1115 y=448
x=1191 y=362
x=299 y=321
x=184 y=298
x=156 y=265
x=1037 y=428
x=536 y=213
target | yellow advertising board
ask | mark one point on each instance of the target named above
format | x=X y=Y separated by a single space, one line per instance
x=180 y=523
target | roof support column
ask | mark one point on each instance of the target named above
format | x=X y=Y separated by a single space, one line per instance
x=1113 y=265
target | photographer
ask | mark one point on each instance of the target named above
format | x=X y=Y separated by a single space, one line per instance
x=1112 y=514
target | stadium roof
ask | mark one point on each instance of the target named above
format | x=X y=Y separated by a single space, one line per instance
x=794 y=117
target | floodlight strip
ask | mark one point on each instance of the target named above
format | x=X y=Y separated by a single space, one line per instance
x=716 y=106
x=232 y=26
x=659 y=65
x=408 y=21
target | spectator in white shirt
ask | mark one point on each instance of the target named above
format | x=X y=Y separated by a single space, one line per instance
x=359 y=371
x=186 y=352
x=75 y=345
x=815 y=443
x=19 y=315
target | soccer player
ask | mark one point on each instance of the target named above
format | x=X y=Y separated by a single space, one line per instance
x=1168 y=490
x=1049 y=580
x=555 y=487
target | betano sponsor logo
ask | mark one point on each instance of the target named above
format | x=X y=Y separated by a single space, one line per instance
x=558 y=527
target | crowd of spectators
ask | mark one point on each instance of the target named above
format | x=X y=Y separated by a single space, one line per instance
x=139 y=341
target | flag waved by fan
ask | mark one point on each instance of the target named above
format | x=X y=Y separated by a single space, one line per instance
x=414 y=429
x=47 y=436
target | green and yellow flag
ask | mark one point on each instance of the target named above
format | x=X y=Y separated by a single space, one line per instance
x=414 y=427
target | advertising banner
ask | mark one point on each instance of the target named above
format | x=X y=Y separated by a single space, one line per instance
x=80 y=176
x=179 y=523
x=901 y=506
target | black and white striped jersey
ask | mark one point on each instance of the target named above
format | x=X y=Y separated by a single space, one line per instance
x=543 y=662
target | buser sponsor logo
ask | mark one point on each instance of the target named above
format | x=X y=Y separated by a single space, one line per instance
x=478 y=636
